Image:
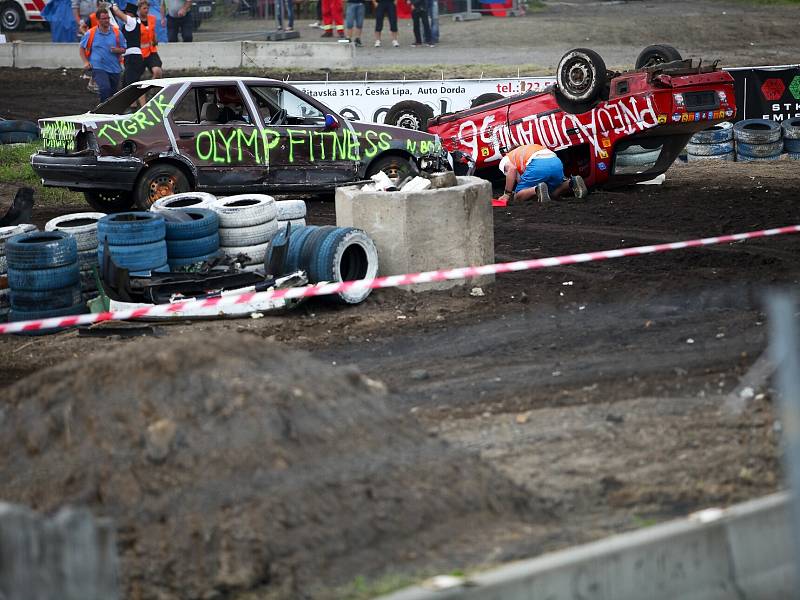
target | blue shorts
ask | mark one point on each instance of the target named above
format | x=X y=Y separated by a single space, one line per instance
x=549 y=170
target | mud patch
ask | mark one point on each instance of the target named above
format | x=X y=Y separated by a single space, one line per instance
x=233 y=466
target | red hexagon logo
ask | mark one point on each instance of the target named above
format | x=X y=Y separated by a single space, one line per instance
x=773 y=88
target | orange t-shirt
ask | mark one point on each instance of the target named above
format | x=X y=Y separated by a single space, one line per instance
x=521 y=156
x=149 y=42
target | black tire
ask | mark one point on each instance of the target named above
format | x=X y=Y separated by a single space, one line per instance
x=485 y=99
x=581 y=75
x=571 y=107
x=204 y=222
x=109 y=201
x=409 y=114
x=41 y=250
x=131 y=228
x=12 y=17
x=17 y=137
x=44 y=279
x=142 y=257
x=157 y=181
x=397 y=168
x=656 y=55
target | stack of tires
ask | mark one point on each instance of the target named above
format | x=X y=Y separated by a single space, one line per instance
x=757 y=140
x=18 y=132
x=791 y=138
x=331 y=254
x=291 y=212
x=83 y=227
x=7 y=233
x=247 y=223
x=714 y=143
x=43 y=276
x=135 y=241
x=191 y=241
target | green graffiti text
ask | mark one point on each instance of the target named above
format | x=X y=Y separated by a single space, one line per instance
x=58 y=134
x=149 y=115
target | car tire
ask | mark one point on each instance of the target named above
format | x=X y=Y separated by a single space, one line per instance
x=12 y=17
x=344 y=254
x=791 y=129
x=485 y=99
x=43 y=279
x=297 y=239
x=141 y=257
x=756 y=131
x=760 y=150
x=656 y=55
x=744 y=158
x=718 y=134
x=194 y=247
x=728 y=157
x=248 y=236
x=581 y=75
x=81 y=226
x=396 y=167
x=131 y=228
x=51 y=299
x=409 y=114
x=35 y=315
x=184 y=200
x=41 y=250
x=290 y=209
x=790 y=145
x=158 y=181
x=109 y=201
x=244 y=210
x=709 y=149
x=204 y=222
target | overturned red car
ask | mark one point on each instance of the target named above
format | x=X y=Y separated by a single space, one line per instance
x=611 y=128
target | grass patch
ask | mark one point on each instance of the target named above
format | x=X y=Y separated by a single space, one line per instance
x=15 y=169
x=362 y=589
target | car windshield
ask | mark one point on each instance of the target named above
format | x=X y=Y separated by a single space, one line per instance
x=128 y=100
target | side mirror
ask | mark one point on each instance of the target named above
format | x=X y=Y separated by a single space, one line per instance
x=331 y=122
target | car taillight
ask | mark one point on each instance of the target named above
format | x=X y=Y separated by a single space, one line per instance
x=678 y=100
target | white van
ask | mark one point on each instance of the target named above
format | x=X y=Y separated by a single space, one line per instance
x=16 y=14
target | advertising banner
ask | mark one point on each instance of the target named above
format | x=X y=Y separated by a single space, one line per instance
x=767 y=92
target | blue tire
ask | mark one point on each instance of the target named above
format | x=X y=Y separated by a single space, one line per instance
x=745 y=158
x=204 y=223
x=297 y=240
x=757 y=131
x=131 y=228
x=39 y=300
x=790 y=145
x=33 y=315
x=189 y=248
x=41 y=250
x=760 y=150
x=709 y=149
x=311 y=248
x=718 y=134
x=345 y=254
x=793 y=155
x=142 y=257
x=43 y=279
x=17 y=137
x=176 y=264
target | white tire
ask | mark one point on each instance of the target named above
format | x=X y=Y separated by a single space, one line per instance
x=3 y=264
x=184 y=200
x=294 y=222
x=255 y=254
x=82 y=226
x=291 y=209
x=244 y=210
x=248 y=236
x=12 y=230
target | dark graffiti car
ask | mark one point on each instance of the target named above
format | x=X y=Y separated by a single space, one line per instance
x=224 y=135
x=610 y=128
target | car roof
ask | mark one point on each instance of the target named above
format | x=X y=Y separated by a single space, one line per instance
x=167 y=81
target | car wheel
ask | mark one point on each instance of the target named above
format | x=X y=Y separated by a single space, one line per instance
x=409 y=114
x=581 y=75
x=397 y=168
x=158 y=181
x=485 y=99
x=109 y=201
x=12 y=17
x=656 y=55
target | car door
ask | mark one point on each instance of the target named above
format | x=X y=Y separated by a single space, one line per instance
x=305 y=149
x=215 y=129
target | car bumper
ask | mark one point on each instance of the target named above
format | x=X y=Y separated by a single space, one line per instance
x=86 y=171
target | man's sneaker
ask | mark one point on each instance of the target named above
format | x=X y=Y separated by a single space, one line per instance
x=415 y=45
x=542 y=193
x=431 y=45
x=377 y=43
x=395 y=43
x=358 y=43
x=578 y=186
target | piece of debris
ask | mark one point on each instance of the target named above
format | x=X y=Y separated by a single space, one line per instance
x=476 y=292
x=523 y=418
x=417 y=184
x=159 y=438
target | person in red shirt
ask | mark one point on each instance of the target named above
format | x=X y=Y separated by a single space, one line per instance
x=533 y=171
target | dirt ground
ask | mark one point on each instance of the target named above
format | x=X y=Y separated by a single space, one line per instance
x=597 y=391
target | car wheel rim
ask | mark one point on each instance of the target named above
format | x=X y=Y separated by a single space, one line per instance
x=10 y=20
x=579 y=77
x=409 y=121
x=163 y=185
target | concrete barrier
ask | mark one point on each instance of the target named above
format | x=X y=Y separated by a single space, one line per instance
x=425 y=231
x=196 y=55
x=743 y=552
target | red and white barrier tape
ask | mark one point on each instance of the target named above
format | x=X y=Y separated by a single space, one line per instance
x=161 y=310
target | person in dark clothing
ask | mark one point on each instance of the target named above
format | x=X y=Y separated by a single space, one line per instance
x=385 y=8
x=177 y=14
x=419 y=15
x=131 y=29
